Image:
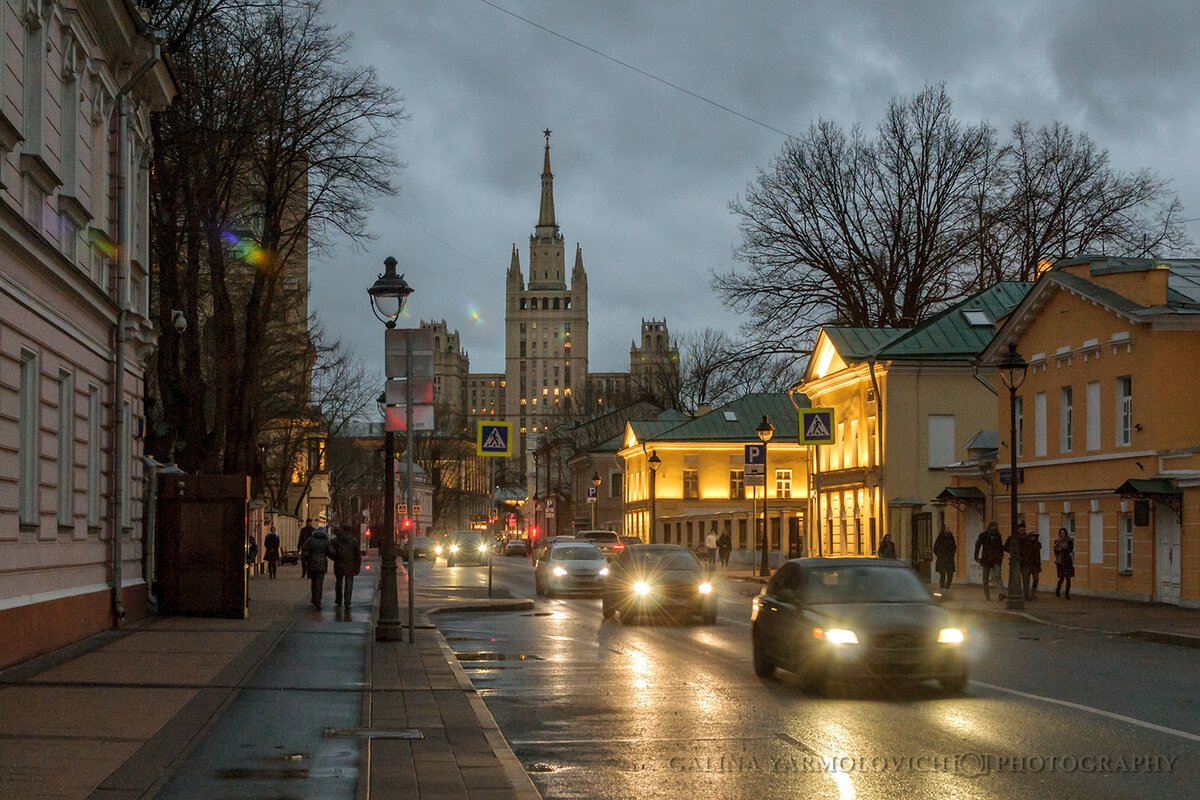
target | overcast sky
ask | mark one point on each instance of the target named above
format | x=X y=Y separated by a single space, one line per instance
x=643 y=173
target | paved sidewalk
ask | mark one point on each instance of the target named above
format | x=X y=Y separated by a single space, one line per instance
x=1151 y=621
x=116 y=715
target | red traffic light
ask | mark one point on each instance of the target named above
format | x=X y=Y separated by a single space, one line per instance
x=407 y=523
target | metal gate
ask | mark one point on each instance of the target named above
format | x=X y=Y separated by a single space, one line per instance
x=922 y=544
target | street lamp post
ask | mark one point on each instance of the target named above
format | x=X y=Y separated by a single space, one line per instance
x=1012 y=372
x=765 y=431
x=654 y=462
x=388 y=295
x=596 y=502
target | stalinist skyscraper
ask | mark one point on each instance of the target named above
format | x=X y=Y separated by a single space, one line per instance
x=546 y=330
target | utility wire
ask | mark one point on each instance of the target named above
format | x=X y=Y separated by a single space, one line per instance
x=642 y=72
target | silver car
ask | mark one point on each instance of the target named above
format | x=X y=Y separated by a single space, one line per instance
x=570 y=566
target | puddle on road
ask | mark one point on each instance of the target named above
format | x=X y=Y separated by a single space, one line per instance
x=539 y=614
x=467 y=639
x=485 y=655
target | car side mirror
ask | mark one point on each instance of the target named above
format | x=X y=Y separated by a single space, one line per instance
x=786 y=595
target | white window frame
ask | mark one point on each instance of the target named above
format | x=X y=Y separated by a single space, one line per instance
x=95 y=428
x=1039 y=424
x=941 y=440
x=1066 y=419
x=1124 y=420
x=28 y=437
x=1093 y=416
x=783 y=483
x=66 y=449
x=737 y=484
x=1125 y=545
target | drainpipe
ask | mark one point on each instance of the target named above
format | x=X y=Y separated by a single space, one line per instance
x=976 y=376
x=123 y=243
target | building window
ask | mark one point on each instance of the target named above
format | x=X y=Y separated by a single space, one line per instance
x=614 y=484
x=1066 y=413
x=1124 y=411
x=1093 y=416
x=783 y=483
x=1020 y=403
x=691 y=484
x=1039 y=424
x=737 y=484
x=95 y=409
x=941 y=440
x=27 y=439
x=1125 y=545
x=66 y=448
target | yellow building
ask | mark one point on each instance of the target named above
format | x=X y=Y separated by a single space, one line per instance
x=1109 y=429
x=906 y=401
x=701 y=478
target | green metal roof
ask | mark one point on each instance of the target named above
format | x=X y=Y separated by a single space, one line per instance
x=961 y=493
x=737 y=421
x=1144 y=486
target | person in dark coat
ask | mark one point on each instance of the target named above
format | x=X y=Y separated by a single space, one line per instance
x=346 y=562
x=271 y=552
x=305 y=532
x=1031 y=561
x=314 y=555
x=887 y=548
x=944 y=549
x=1064 y=560
x=724 y=547
x=989 y=552
x=1016 y=545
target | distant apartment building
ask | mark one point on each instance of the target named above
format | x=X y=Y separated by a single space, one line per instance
x=75 y=328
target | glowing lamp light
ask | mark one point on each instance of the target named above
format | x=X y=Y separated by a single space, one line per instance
x=705 y=588
x=561 y=572
x=642 y=588
x=951 y=636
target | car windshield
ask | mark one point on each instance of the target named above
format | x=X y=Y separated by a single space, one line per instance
x=862 y=584
x=576 y=553
x=603 y=536
x=670 y=560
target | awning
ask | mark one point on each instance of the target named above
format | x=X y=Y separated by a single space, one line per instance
x=961 y=496
x=1160 y=490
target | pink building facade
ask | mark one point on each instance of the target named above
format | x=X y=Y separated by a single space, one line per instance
x=78 y=82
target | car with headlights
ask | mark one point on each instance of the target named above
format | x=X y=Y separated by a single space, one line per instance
x=567 y=566
x=664 y=580
x=464 y=547
x=854 y=618
x=421 y=546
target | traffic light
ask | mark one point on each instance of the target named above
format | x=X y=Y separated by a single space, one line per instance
x=407 y=523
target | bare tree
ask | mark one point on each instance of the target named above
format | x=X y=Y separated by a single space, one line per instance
x=276 y=144
x=884 y=231
x=716 y=369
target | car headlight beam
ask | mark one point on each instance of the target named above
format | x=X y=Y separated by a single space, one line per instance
x=951 y=636
x=705 y=588
x=483 y=548
x=560 y=571
x=453 y=548
x=642 y=588
x=603 y=571
x=836 y=635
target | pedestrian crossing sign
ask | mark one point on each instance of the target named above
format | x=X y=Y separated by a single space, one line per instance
x=816 y=426
x=494 y=439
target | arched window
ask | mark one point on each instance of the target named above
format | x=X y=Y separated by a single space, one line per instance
x=556 y=304
x=524 y=303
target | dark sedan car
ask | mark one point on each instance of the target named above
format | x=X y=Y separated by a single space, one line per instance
x=422 y=547
x=846 y=618
x=659 y=579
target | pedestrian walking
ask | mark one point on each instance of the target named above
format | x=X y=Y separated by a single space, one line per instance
x=887 y=548
x=710 y=545
x=305 y=532
x=314 y=555
x=1031 y=560
x=271 y=552
x=1015 y=545
x=989 y=552
x=347 y=560
x=944 y=549
x=1064 y=560
x=724 y=547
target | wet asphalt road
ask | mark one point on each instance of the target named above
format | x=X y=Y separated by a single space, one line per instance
x=595 y=709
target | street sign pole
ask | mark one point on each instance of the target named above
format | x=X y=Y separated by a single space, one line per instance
x=408 y=476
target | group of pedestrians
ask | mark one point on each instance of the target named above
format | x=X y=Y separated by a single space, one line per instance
x=1027 y=548
x=317 y=550
x=717 y=546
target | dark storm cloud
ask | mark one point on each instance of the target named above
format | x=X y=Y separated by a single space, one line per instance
x=644 y=173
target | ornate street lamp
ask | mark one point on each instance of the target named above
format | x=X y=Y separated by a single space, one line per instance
x=1012 y=372
x=654 y=463
x=389 y=294
x=765 y=431
x=596 y=502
